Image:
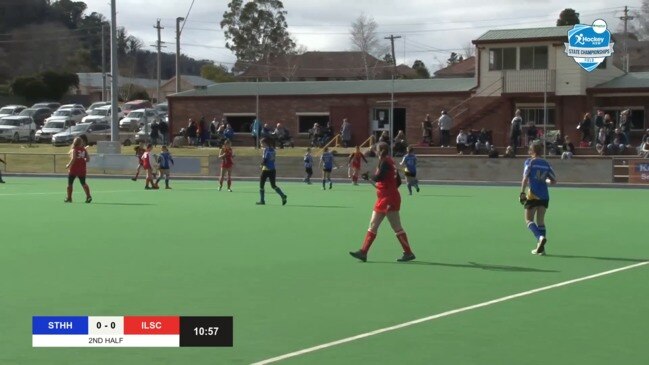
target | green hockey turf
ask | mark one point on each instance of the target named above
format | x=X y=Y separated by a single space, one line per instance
x=285 y=275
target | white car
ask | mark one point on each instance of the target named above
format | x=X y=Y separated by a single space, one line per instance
x=16 y=128
x=96 y=105
x=75 y=115
x=101 y=115
x=72 y=106
x=136 y=119
x=51 y=128
x=11 y=110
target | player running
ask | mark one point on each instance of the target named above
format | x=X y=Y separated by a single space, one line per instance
x=386 y=180
x=227 y=161
x=139 y=151
x=77 y=168
x=537 y=173
x=410 y=163
x=355 y=164
x=148 y=167
x=327 y=163
x=165 y=161
x=268 y=172
x=308 y=166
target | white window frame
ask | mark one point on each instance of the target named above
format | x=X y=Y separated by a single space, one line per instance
x=538 y=106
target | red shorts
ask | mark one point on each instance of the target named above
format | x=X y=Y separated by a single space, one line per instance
x=226 y=165
x=387 y=202
x=356 y=166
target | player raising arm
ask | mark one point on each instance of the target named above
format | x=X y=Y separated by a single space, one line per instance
x=77 y=168
x=386 y=180
x=537 y=174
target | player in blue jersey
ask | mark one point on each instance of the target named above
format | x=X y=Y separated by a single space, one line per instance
x=537 y=174
x=268 y=172
x=327 y=163
x=164 y=165
x=308 y=166
x=409 y=161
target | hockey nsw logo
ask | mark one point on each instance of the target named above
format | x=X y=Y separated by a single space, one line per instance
x=589 y=45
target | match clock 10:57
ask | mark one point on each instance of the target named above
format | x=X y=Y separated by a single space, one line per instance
x=206 y=331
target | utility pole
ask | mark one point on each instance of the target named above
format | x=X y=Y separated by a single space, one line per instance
x=178 y=20
x=394 y=57
x=626 y=19
x=103 y=62
x=158 y=47
x=114 y=72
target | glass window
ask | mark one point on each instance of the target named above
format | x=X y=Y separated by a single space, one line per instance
x=509 y=58
x=502 y=59
x=306 y=122
x=637 y=116
x=534 y=58
x=536 y=115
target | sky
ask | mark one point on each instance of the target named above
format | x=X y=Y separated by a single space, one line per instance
x=430 y=29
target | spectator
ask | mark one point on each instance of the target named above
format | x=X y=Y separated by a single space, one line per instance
x=625 y=124
x=228 y=132
x=509 y=152
x=346 y=133
x=214 y=126
x=385 y=137
x=164 y=132
x=472 y=139
x=315 y=134
x=483 y=141
x=618 y=146
x=515 y=129
x=461 y=142
x=599 y=121
x=427 y=131
x=584 y=127
x=328 y=132
x=609 y=126
x=266 y=131
x=204 y=132
x=282 y=135
x=445 y=125
x=154 y=133
x=192 y=131
x=400 y=144
x=644 y=144
x=568 y=149
x=532 y=133
x=493 y=152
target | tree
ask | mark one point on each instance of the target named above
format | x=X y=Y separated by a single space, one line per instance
x=216 y=73
x=47 y=85
x=641 y=22
x=388 y=58
x=365 y=40
x=568 y=17
x=454 y=58
x=69 y=12
x=469 y=50
x=257 y=30
x=421 y=69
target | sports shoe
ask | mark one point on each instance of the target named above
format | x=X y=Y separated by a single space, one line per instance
x=359 y=255
x=68 y=200
x=167 y=187
x=284 y=200
x=260 y=203
x=540 y=248
x=2 y=181
x=330 y=186
x=407 y=257
x=220 y=187
x=134 y=179
x=89 y=199
x=156 y=187
x=147 y=188
x=417 y=187
x=230 y=190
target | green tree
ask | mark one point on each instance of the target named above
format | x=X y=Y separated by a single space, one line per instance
x=216 y=73
x=47 y=85
x=69 y=12
x=640 y=24
x=256 y=30
x=421 y=69
x=568 y=17
x=388 y=58
x=454 y=58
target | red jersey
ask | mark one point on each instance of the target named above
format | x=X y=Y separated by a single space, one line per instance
x=146 y=160
x=78 y=166
x=387 y=192
x=355 y=159
x=227 y=160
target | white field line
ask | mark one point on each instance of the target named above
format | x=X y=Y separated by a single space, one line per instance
x=444 y=314
x=97 y=192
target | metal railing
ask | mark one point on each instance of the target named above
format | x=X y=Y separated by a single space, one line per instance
x=529 y=81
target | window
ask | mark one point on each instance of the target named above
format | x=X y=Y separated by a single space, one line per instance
x=306 y=121
x=536 y=114
x=534 y=58
x=502 y=59
x=637 y=116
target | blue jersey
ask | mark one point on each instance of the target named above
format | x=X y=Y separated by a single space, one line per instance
x=308 y=161
x=164 y=160
x=410 y=161
x=268 y=163
x=327 y=159
x=537 y=170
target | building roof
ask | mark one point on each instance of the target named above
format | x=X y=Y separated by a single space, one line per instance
x=195 y=81
x=502 y=35
x=464 y=68
x=632 y=80
x=333 y=87
x=330 y=65
x=94 y=80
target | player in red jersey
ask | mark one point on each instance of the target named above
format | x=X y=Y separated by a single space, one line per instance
x=386 y=180
x=139 y=151
x=77 y=168
x=148 y=167
x=227 y=161
x=355 y=164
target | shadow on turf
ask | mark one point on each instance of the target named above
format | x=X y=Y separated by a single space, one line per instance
x=470 y=265
x=445 y=196
x=125 y=204
x=317 y=206
x=597 y=258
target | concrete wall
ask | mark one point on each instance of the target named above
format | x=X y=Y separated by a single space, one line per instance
x=579 y=170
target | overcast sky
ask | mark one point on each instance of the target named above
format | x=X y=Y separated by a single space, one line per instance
x=430 y=30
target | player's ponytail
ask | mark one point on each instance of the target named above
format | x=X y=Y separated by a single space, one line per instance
x=382 y=149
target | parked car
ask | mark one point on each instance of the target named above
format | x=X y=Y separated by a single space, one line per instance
x=47 y=104
x=75 y=115
x=96 y=105
x=162 y=108
x=15 y=128
x=11 y=110
x=136 y=104
x=51 y=128
x=38 y=114
x=101 y=114
x=136 y=119
x=90 y=133
x=72 y=106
